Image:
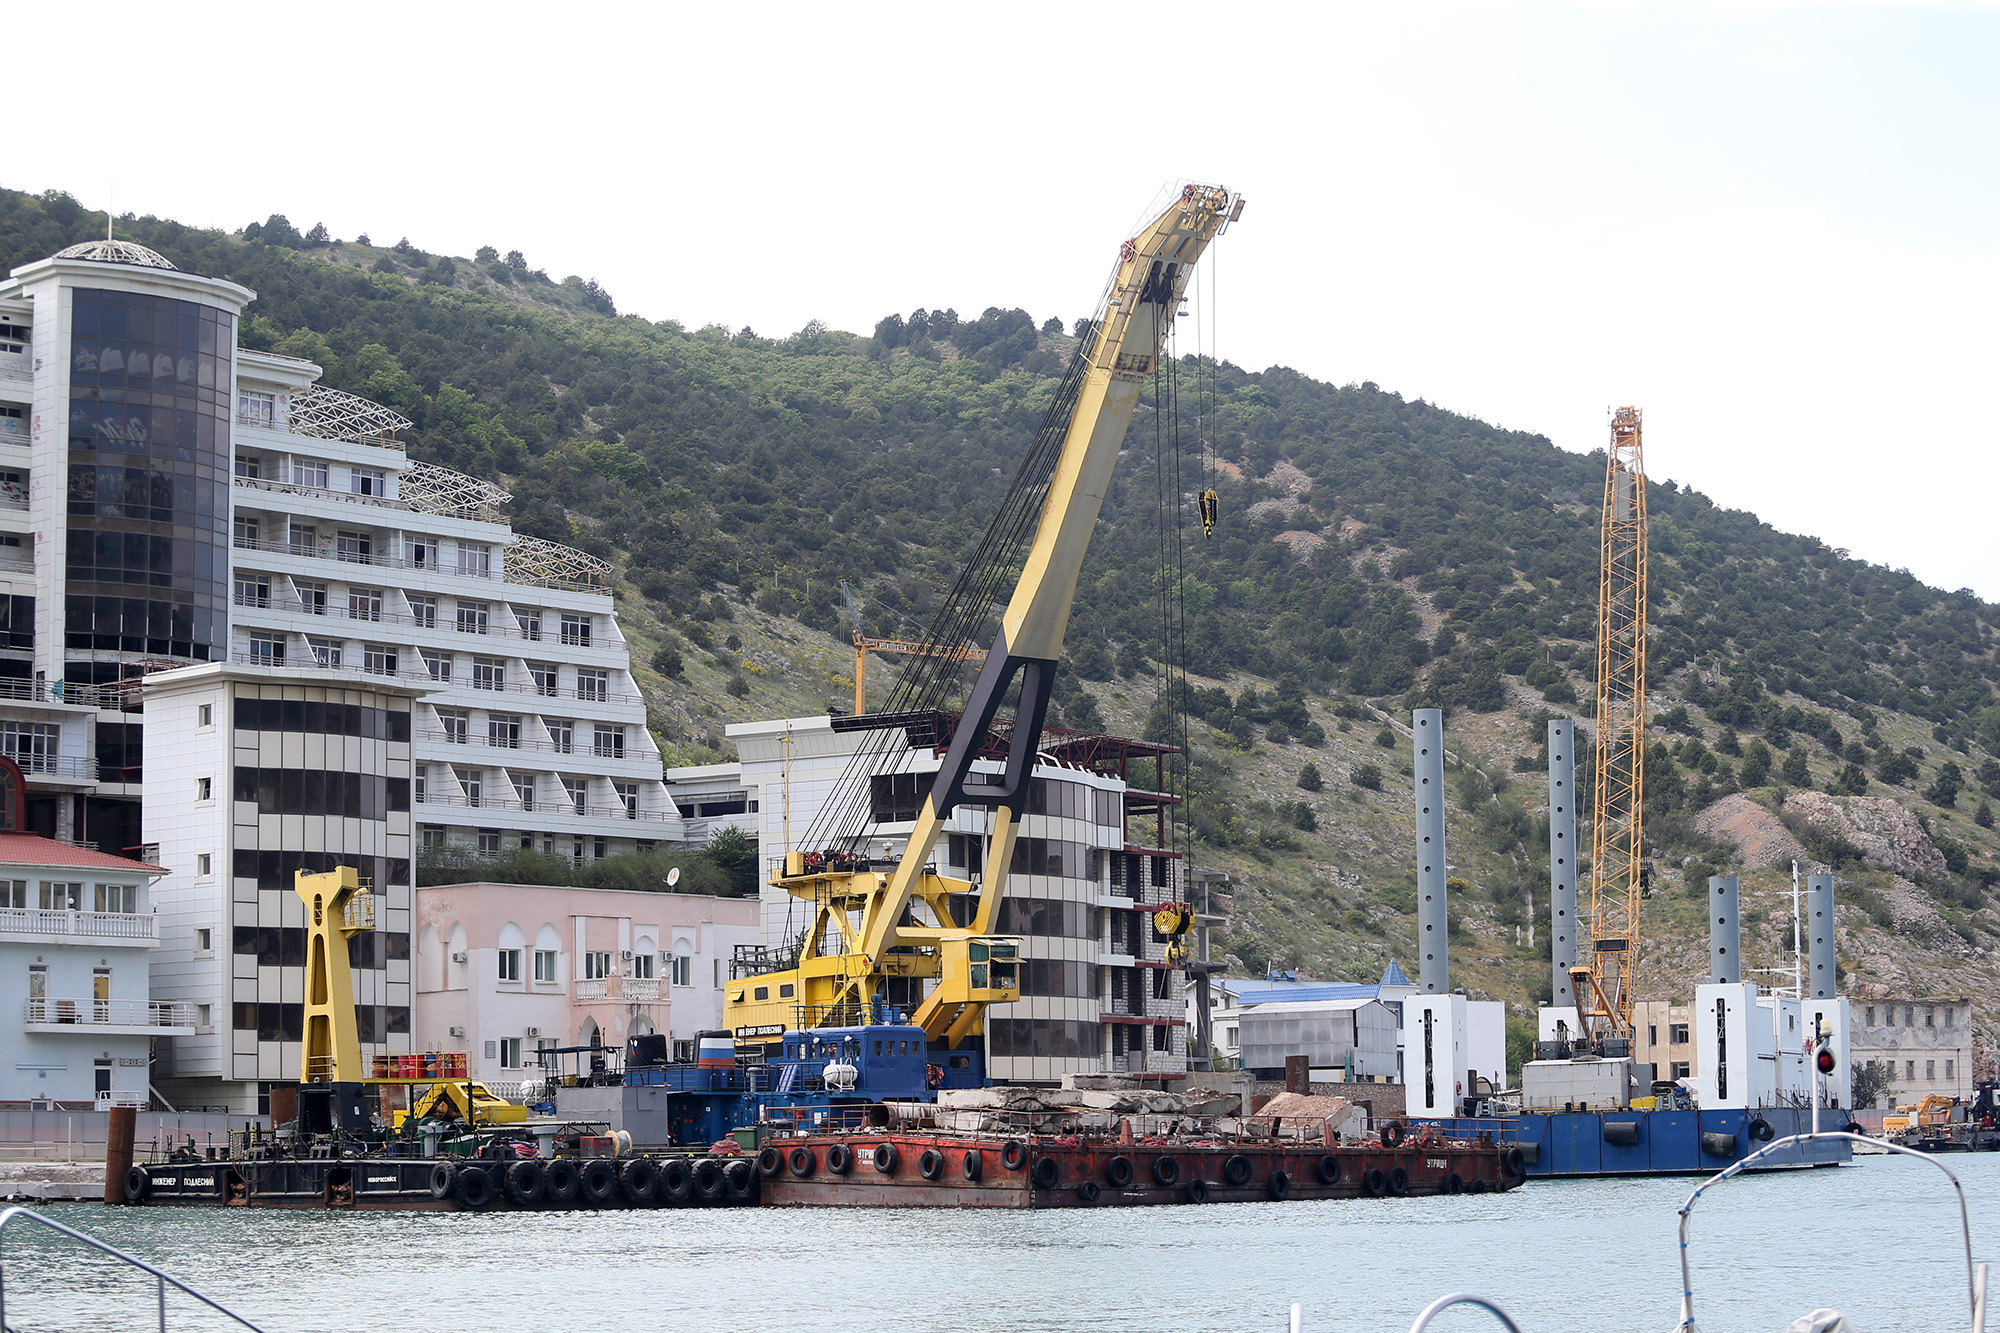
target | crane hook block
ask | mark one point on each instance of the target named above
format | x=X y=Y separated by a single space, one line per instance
x=1211 y=509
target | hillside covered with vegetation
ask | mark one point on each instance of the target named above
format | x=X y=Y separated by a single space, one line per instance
x=1375 y=553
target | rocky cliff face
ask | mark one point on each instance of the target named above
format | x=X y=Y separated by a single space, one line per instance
x=1887 y=835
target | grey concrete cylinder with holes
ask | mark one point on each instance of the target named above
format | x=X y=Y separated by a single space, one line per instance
x=1725 y=932
x=1562 y=859
x=1433 y=929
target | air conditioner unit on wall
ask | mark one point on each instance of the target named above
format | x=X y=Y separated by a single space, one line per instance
x=458 y=957
x=458 y=1032
x=625 y=955
x=534 y=1032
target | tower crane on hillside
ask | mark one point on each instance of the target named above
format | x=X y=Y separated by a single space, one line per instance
x=864 y=645
x=876 y=922
x=1618 y=872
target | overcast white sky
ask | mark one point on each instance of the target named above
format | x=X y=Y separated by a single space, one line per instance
x=1771 y=227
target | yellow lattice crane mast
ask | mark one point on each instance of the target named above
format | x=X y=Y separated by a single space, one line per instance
x=1604 y=988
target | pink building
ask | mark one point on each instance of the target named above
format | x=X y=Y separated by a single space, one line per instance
x=505 y=969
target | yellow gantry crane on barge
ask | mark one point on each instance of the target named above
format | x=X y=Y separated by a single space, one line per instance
x=873 y=924
x=1604 y=987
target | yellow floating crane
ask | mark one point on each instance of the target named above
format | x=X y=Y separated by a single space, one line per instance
x=1604 y=987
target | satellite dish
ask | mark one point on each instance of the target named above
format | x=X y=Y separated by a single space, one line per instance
x=673 y=876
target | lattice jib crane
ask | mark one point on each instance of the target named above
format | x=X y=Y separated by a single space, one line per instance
x=1604 y=988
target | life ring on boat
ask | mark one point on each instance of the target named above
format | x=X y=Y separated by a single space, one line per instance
x=770 y=1162
x=1327 y=1169
x=1516 y=1162
x=523 y=1183
x=1046 y=1173
x=1088 y=1191
x=472 y=1190
x=1166 y=1172
x=884 y=1158
x=1197 y=1191
x=639 y=1182
x=1392 y=1134
x=1374 y=1182
x=1237 y=1170
x=560 y=1182
x=1013 y=1154
x=839 y=1159
x=931 y=1164
x=933 y=1077
x=441 y=1176
x=1279 y=1184
x=1398 y=1182
x=801 y=1162
x=600 y=1183
x=1118 y=1171
x=137 y=1185
x=676 y=1181
x=973 y=1165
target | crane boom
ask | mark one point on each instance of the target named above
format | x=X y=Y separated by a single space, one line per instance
x=1617 y=851
x=868 y=911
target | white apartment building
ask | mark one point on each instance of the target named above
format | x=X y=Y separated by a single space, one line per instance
x=1097 y=995
x=169 y=499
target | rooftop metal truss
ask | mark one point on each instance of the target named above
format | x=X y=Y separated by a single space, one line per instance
x=115 y=252
x=328 y=414
x=545 y=564
x=430 y=489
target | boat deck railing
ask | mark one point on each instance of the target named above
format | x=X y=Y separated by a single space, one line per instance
x=11 y=1215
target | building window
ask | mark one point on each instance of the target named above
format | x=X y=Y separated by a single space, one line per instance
x=510 y=1052
x=524 y=792
x=205 y=715
x=576 y=630
x=256 y=409
x=423 y=610
x=598 y=849
x=326 y=652
x=306 y=472
x=204 y=1016
x=1930 y=1069
x=437 y=664
x=116 y=897
x=1678 y=1069
x=61 y=896
x=379 y=659
x=1677 y=1034
x=578 y=791
x=1910 y=1071
x=14 y=893
x=1930 y=1018
x=312 y=596
x=475 y=561
x=530 y=623
x=204 y=864
x=1948 y=1015
x=544 y=676
x=545 y=966
x=608 y=741
x=33 y=745
x=1871 y=1015
x=245 y=532
x=368 y=481
x=596 y=966
x=454 y=724
x=267 y=650
x=562 y=735
x=628 y=796
x=507 y=964
x=1951 y=1069
x=1909 y=1015
x=682 y=970
x=423 y=554
x=434 y=838
x=503 y=731
x=593 y=685
x=489 y=673
x=642 y=965
x=364 y=603
x=354 y=548
x=204 y=789
x=469 y=783
x=489 y=842
x=250 y=467
x=473 y=617
x=252 y=590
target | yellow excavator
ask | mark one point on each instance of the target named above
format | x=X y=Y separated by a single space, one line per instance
x=878 y=922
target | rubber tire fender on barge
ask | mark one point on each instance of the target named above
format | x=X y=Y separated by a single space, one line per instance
x=801 y=1162
x=1760 y=1130
x=1118 y=1171
x=1088 y=1191
x=1454 y=1184
x=1197 y=1191
x=1279 y=1184
x=1392 y=1134
x=472 y=1190
x=739 y=1179
x=839 y=1159
x=523 y=1183
x=600 y=1183
x=137 y=1185
x=1046 y=1173
x=974 y=1164
x=1237 y=1170
x=1013 y=1154
x=561 y=1183
x=706 y=1178
x=1327 y=1169
x=1516 y=1163
x=676 y=1182
x=884 y=1158
x=441 y=1180
x=1374 y=1183
x=770 y=1162
x=1399 y=1182
x=1166 y=1172
x=639 y=1182
x=931 y=1164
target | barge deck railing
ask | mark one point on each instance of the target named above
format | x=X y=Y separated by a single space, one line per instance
x=17 y=1214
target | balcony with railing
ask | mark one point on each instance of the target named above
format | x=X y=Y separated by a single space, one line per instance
x=424 y=488
x=48 y=1014
x=557 y=808
x=634 y=990
x=61 y=767
x=62 y=926
x=529 y=562
x=494 y=627
x=16 y=690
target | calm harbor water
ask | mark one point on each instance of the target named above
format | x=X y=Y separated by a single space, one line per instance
x=1878 y=1240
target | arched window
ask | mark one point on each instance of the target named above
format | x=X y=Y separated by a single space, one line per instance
x=507 y=958
x=430 y=960
x=458 y=960
x=683 y=967
x=548 y=949
x=643 y=952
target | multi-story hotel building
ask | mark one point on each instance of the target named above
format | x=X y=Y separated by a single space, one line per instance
x=168 y=499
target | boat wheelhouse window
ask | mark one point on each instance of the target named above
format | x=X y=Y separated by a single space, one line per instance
x=763 y=992
x=785 y=992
